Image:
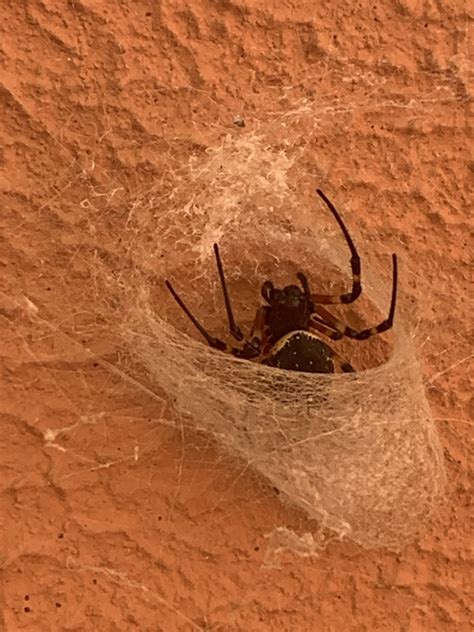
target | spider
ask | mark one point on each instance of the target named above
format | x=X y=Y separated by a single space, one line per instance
x=287 y=330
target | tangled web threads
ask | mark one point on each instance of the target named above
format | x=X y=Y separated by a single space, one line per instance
x=358 y=452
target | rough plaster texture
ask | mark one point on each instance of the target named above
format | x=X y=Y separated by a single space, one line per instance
x=111 y=521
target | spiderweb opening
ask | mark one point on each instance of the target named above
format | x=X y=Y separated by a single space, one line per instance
x=358 y=452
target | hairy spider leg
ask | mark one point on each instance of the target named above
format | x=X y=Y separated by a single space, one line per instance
x=323 y=318
x=348 y=297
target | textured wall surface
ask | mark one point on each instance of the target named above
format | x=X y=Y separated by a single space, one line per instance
x=110 y=520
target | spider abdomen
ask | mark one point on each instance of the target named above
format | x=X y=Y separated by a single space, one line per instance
x=304 y=351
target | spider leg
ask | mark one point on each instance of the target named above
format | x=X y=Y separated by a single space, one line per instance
x=257 y=331
x=252 y=348
x=326 y=319
x=304 y=284
x=233 y=327
x=212 y=341
x=266 y=291
x=248 y=350
x=348 y=297
x=329 y=329
x=341 y=364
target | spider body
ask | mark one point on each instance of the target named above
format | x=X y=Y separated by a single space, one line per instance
x=302 y=350
x=288 y=310
x=288 y=329
x=287 y=341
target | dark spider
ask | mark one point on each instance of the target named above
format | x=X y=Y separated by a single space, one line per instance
x=283 y=334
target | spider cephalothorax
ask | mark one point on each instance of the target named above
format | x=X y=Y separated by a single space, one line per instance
x=288 y=310
x=287 y=329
